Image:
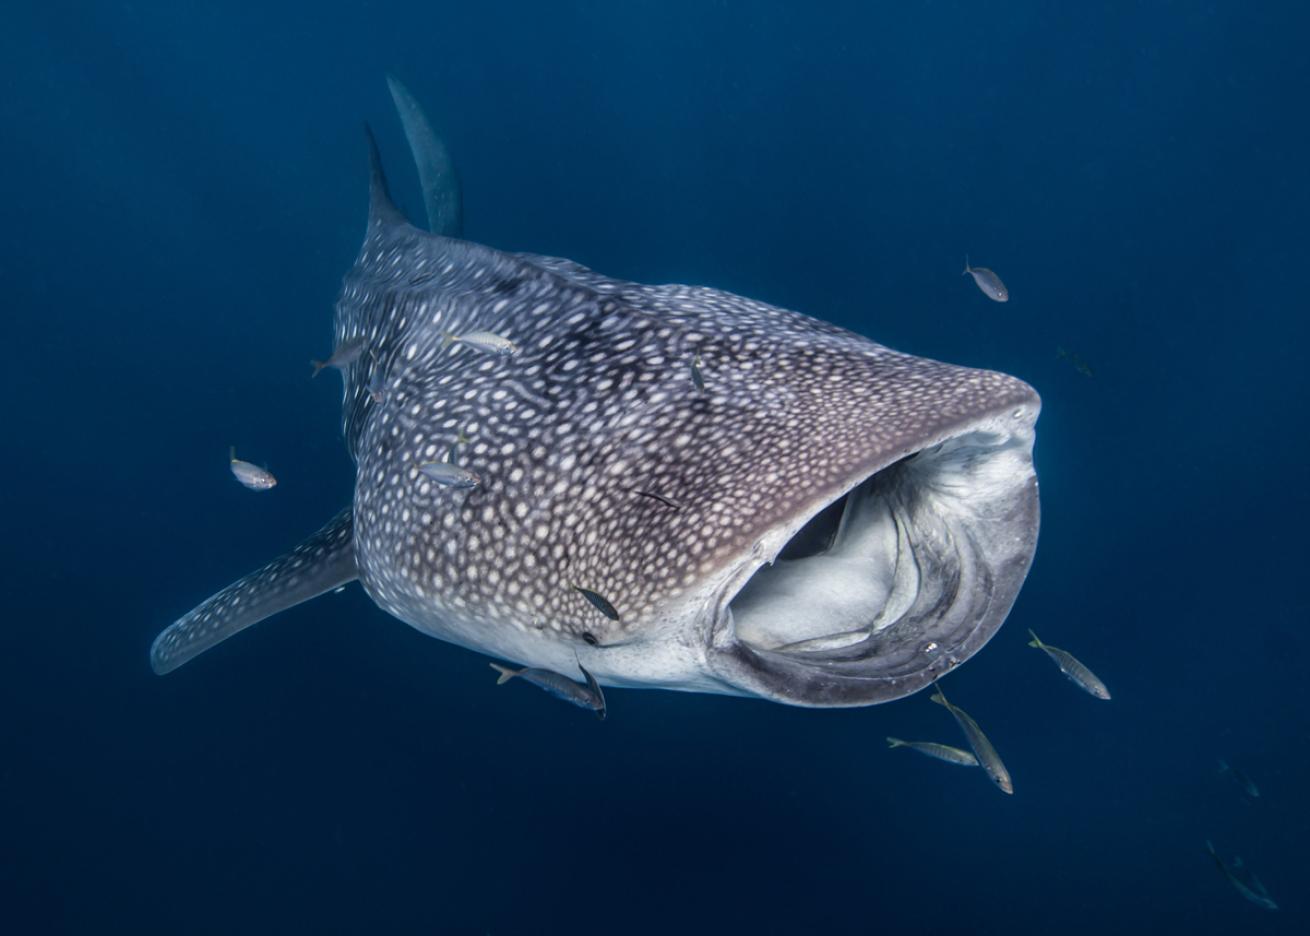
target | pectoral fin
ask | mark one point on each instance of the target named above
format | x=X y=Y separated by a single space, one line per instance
x=321 y=563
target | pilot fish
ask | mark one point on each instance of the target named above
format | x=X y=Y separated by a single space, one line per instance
x=942 y=752
x=1078 y=674
x=586 y=695
x=982 y=747
x=252 y=476
x=988 y=282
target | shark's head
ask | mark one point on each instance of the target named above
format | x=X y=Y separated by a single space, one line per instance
x=676 y=487
x=774 y=506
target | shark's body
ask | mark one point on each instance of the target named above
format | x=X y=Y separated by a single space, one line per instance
x=896 y=493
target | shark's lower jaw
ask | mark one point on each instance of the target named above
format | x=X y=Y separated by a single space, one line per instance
x=903 y=577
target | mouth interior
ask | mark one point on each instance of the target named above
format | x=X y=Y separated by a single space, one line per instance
x=900 y=565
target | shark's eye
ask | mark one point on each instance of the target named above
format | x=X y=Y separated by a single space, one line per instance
x=590 y=638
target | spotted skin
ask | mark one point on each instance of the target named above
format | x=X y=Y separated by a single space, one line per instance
x=321 y=563
x=596 y=404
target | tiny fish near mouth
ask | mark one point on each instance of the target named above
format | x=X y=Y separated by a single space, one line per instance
x=819 y=520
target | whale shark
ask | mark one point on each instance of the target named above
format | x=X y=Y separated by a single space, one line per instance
x=676 y=487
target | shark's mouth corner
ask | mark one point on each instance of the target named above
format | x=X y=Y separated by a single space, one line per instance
x=902 y=577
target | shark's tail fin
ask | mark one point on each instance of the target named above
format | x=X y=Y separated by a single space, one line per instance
x=894 y=742
x=442 y=198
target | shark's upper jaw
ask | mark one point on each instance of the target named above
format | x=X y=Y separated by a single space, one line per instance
x=869 y=597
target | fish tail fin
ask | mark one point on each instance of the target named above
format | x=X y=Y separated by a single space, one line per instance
x=232 y=456
x=448 y=339
x=506 y=674
x=895 y=742
x=318 y=366
x=1223 y=766
x=966 y=266
x=1036 y=641
x=938 y=696
x=442 y=197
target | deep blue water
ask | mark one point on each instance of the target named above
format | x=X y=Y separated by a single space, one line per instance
x=183 y=188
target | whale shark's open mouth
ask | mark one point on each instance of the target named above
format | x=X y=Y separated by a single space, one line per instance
x=902 y=577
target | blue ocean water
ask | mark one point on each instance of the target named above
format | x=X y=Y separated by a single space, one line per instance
x=184 y=187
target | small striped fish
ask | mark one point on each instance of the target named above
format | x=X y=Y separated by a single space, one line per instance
x=942 y=752
x=1070 y=665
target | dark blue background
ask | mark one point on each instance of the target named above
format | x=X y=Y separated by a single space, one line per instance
x=184 y=186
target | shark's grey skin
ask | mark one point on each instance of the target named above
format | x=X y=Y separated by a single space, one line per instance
x=895 y=493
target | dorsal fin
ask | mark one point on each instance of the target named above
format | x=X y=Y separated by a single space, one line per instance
x=382 y=211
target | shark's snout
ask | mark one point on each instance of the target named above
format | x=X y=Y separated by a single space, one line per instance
x=869 y=596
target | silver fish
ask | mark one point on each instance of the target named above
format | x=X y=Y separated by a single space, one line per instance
x=982 y=748
x=1070 y=665
x=346 y=353
x=450 y=475
x=1251 y=888
x=987 y=281
x=600 y=603
x=485 y=341
x=1240 y=778
x=252 y=476
x=697 y=378
x=588 y=695
x=942 y=752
